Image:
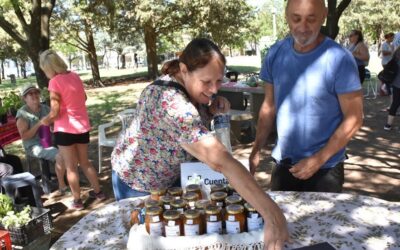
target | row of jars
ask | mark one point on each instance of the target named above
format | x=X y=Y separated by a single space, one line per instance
x=235 y=218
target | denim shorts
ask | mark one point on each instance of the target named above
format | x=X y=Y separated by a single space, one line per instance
x=122 y=190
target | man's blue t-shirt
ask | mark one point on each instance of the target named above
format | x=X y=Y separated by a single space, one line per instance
x=306 y=89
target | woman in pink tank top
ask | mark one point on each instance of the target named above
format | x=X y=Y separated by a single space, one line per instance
x=71 y=123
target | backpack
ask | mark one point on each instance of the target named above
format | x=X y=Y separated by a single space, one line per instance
x=389 y=72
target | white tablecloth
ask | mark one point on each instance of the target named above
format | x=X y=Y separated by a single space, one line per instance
x=345 y=221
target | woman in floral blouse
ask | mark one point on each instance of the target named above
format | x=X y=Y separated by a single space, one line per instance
x=170 y=128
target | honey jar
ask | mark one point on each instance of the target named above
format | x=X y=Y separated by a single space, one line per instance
x=157 y=193
x=231 y=190
x=153 y=221
x=173 y=225
x=202 y=204
x=175 y=192
x=217 y=188
x=213 y=219
x=235 y=219
x=179 y=205
x=193 y=223
x=218 y=199
x=233 y=199
x=254 y=219
x=152 y=203
x=195 y=188
x=191 y=198
x=166 y=201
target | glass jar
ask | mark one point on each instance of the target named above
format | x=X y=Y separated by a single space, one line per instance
x=166 y=201
x=231 y=190
x=175 y=192
x=235 y=219
x=233 y=199
x=193 y=223
x=152 y=203
x=179 y=205
x=213 y=219
x=191 y=198
x=173 y=225
x=202 y=204
x=217 y=188
x=218 y=199
x=195 y=188
x=153 y=221
x=157 y=193
x=254 y=219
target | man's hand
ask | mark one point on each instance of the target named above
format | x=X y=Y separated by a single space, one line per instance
x=306 y=168
x=220 y=105
x=275 y=231
x=254 y=161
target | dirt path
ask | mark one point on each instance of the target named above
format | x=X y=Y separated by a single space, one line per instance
x=373 y=167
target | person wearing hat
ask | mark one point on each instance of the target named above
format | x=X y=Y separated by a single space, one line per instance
x=30 y=120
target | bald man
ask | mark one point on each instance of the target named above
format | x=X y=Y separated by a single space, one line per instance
x=313 y=91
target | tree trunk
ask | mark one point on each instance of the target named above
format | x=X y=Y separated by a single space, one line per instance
x=2 y=70
x=123 y=61
x=150 y=37
x=23 y=70
x=332 y=28
x=92 y=55
x=16 y=66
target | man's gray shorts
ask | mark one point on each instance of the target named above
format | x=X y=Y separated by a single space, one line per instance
x=44 y=153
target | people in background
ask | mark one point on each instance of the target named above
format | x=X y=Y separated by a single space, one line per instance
x=313 y=93
x=396 y=93
x=30 y=119
x=71 y=124
x=360 y=52
x=386 y=52
x=171 y=128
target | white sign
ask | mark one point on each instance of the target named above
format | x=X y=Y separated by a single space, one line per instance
x=202 y=174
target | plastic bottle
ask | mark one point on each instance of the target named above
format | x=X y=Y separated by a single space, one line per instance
x=222 y=128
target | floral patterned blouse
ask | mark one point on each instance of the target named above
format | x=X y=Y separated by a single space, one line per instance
x=148 y=153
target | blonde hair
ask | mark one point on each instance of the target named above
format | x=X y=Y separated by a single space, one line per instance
x=50 y=61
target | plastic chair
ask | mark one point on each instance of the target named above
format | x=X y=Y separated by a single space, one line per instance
x=125 y=117
x=45 y=175
x=12 y=182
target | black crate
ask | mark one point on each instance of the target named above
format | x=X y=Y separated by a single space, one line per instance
x=39 y=225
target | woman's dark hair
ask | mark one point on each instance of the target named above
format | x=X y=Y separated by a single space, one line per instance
x=197 y=54
x=359 y=34
x=389 y=35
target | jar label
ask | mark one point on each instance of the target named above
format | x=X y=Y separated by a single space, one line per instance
x=156 y=218
x=231 y=218
x=189 y=222
x=213 y=218
x=191 y=230
x=180 y=210
x=232 y=227
x=172 y=231
x=191 y=204
x=219 y=204
x=254 y=223
x=155 y=229
x=171 y=223
x=167 y=206
x=214 y=227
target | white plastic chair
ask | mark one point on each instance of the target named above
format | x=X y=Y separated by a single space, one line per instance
x=125 y=118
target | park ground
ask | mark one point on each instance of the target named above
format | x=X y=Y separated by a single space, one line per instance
x=373 y=167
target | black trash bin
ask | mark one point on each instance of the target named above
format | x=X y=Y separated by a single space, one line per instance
x=13 y=79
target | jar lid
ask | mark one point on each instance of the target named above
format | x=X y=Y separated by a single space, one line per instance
x=158 y=191
x=202 y=204
x=233 y=199
x=152 y=203
x=218 y=195
x=235 y=209
x=217 y=187
x=178 y=203
x=212 y=209
x=192 y=214
x=171 y=214
x=153 y=210
x=190 y=196
x=192 y=187
x=167 y=198
x=249 y=207
x=175 y=190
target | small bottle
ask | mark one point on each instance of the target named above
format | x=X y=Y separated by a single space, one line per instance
x=218 y=199
x=254 y=219
x=222 y=128
x=176 y=192
x=152 y=203
x=157 y=193
x=213 y=219
x=235 y=219
x=191 y=198
x=166 y=201
x=233 y=199
x=173 y=225
x=195 y=188
x=153 y=221
x=179 y=205
x=217 y=188
x=192 y=223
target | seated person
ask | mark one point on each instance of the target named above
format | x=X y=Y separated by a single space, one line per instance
x=29 y=120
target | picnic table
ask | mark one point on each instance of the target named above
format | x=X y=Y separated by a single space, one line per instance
x=9 y=132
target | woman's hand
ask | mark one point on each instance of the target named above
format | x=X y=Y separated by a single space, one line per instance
x=275 y=230
x=219 y=105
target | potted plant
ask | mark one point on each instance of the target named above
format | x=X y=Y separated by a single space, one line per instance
x=12 y=102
